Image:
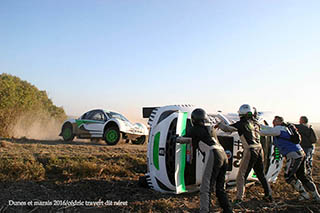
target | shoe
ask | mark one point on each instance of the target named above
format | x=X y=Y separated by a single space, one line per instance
x=237 y=201
x=304 y=196
x=315 y=196
x=268 y=198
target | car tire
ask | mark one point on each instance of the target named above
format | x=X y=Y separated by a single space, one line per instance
x=112 y=135
x=140 y=140
x=67 y=133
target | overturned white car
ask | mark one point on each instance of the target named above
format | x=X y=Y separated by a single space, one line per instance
x=103 y=124
x=169 y=167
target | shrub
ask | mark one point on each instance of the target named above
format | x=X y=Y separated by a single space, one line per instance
x=19 y=99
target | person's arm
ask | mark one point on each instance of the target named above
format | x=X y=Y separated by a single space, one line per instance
x=269 y=131
x=213 y=133
x=313 y=136
x=226 y=128
x=184 y=140
x=187 y=138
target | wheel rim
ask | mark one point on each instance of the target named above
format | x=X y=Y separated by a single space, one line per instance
x=66 y=133
x=112 y=136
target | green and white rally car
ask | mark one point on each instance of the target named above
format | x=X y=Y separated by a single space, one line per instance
x=103 y=124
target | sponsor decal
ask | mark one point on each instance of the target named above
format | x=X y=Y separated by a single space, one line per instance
x=229 y=154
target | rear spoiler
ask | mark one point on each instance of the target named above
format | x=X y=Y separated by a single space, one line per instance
x=146 y=111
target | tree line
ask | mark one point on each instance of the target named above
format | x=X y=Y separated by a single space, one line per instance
x=19 y=98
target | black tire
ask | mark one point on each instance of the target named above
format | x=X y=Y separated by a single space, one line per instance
x=112 y=135
x=140 y=140
x=67 y=132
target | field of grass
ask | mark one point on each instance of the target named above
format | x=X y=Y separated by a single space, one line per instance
x=55 y=160
x=60 y=177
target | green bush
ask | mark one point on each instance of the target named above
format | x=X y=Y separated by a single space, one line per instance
x=19 y=98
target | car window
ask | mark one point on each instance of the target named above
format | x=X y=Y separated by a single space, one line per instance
x=85 y=115
x=98 y=116
x=117 y=116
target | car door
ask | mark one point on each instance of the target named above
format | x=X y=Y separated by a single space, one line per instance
x=81 y=127
x=95 y=123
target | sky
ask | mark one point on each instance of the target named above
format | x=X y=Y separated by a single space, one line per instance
x=123 y=55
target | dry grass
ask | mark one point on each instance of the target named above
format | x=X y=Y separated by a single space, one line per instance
x=81 y=170
x=28 y=160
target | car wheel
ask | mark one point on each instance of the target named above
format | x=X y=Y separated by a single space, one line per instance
x=139 y=140
x=67 y=133
x=112 y=135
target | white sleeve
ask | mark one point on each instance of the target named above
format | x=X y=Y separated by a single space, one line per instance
x=269 y=131
x=227 y=128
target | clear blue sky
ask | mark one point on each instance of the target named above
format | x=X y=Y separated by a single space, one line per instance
x=126 y=54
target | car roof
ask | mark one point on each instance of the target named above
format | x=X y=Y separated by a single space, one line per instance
x=107 y=111
x=104 y=110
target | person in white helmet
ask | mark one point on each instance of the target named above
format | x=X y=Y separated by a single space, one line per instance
x=248 y=129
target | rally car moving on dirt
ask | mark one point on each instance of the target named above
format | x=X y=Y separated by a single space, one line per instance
x=103 y=124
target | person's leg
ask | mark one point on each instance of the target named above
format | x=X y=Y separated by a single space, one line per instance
x=307 y=181
x=293 y=162
x=259 y=170
x=309 y=157
x=206 y=183
x=245 y=165
x=220 y=188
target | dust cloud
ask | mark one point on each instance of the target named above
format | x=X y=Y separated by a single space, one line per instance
x=40 y=126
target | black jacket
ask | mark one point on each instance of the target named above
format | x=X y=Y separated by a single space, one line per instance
x=249 y=129
x=308 y=137
x=201 y=133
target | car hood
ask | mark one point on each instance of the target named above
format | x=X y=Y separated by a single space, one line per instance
x=133 y=128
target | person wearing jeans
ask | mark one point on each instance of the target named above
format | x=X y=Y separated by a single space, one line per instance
x=295 y=172
x=308 y=140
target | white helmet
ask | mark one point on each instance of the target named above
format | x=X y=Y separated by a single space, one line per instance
x=244 y=110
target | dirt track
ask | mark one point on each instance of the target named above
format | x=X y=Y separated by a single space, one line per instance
x=112 y=188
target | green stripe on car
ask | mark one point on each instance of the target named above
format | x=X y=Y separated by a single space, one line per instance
x=183 y=152
x=156 y=150
x=80 y=122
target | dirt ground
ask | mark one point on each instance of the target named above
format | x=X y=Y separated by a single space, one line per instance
x=122 y=193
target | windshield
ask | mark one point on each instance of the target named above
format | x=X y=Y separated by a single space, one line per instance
x=117 y=116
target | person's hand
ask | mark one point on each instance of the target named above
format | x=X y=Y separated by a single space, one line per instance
x=174 y=137
x=216 y=126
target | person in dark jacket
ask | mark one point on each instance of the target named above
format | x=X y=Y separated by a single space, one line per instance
x=215 y=164
x=295 y=172
x=308 y=140
x=248 y=130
